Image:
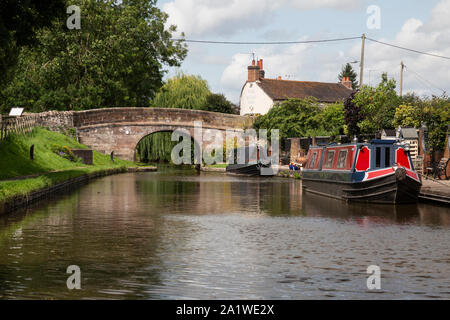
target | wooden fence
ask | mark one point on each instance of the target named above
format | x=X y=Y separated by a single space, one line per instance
x=16 y=125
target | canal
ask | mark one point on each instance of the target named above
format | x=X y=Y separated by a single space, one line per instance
x=175 y=234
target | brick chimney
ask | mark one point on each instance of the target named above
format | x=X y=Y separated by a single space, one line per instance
x=255 y=72
x=261 y=69
x=346 y=82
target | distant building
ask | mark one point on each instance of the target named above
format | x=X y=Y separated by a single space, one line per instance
x=388 y=134
x=410 y=136
x=259 y=94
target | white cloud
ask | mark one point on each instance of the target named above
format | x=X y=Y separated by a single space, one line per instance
x=318 y=4
x=195 y=17
x=424 y=74
x=218 y=17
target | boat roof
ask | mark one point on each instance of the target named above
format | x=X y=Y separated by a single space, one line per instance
x=373 y=141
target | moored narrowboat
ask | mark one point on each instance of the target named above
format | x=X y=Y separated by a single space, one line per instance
x=380 y=171
x=252 y=165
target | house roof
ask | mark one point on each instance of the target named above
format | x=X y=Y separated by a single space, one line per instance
x=322 y=91
x=389 y=132
x=409 y=133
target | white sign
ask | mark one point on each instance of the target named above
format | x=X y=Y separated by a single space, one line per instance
x=16 y=111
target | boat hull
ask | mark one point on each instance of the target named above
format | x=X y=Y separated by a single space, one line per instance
x=247 y=169
x=395 y=188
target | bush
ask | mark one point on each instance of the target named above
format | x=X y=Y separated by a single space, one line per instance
x=65 y=152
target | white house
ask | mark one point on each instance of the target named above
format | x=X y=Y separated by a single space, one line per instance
x=259 y=94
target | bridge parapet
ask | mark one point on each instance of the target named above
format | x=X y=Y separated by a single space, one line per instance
x=169 y=116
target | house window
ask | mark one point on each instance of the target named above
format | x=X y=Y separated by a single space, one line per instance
x=330 y=157
x=313 y=160
x=341 y=159
x=378 y=157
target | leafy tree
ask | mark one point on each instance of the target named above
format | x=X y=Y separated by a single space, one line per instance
x=19 y=21
x=377 y=105
x=432 y=112
x=182 y=91
x=332 y=119
x=218 y=103
x=407 y=116
x=116 y=59
x=292 y=117
x=352 y=116
x=436 y=116
x=347 y=71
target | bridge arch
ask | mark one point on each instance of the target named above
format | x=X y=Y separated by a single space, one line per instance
x=188 y=134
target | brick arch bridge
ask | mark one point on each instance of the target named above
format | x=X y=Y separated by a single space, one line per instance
x=120 y=129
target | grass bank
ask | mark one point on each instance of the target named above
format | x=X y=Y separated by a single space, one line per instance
x=47 y=168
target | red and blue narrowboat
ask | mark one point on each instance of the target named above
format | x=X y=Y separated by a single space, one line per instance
x=380 y=171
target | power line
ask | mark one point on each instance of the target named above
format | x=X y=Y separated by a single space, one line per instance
x=428 y=83
x=412 y=50
x=264 y=43
x=307 y=41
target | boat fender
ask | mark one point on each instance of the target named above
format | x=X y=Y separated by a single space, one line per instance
x=400 y=174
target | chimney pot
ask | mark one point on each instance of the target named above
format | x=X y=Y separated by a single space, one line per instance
x=346 y=82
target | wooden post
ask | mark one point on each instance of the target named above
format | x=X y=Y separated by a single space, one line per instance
x=402 y=66
x=361 y=71
x=32 y=152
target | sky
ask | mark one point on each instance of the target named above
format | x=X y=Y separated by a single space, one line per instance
x=415 y=24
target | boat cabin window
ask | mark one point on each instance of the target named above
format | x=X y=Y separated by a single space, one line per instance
x=341 y=159
x=378 y=157
x=387 y=157
x=330 y=157
x=313 y=160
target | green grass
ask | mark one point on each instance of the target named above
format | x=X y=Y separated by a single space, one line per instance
x=15 y=162
x=219 y=165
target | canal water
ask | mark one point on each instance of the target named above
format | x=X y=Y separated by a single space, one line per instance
x=182 y=235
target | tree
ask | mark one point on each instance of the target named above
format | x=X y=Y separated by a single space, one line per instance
x=432 y=112
x=182 y=91
x=347 y=71
x=436 y=116
x=407 y=116
x=218 y=103
x=116 y=59
x=331 y=120
x=377 y=105
x=352 y=116
x=292 y=117
x=19 y=22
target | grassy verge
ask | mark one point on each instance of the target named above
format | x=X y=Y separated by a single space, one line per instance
x=220 y=165
x=50 y=167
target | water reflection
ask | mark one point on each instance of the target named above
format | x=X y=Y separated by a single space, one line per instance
x=177 y=234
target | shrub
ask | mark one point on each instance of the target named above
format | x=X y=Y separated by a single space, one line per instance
x=65 y=152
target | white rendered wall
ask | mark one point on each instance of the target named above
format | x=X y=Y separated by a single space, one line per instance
x=254 y=100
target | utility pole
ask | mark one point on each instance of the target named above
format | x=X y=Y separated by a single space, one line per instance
x=402 y=66
x=363 y=40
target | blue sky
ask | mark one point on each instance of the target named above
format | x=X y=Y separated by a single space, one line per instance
x=421 y=25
